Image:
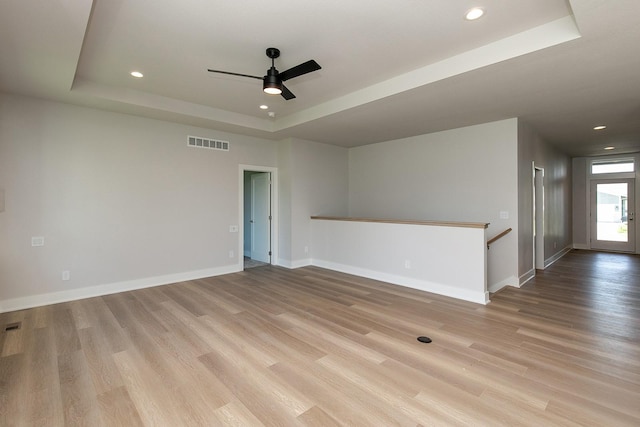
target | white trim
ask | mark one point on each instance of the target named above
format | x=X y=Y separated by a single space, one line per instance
x=526 y=277
x=538 y=218
x=582 y=246
x=510 y=281
x=557 y=256
x=112 y=288
x=408 y=282
x=295 y=263
x=274 y=209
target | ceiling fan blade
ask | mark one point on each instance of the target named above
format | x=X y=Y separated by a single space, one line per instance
x=286 y=93
x=298 y=70
x=234 y=74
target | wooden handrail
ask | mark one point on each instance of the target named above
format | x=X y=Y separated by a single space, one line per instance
x=405 y=221
x=504 y=233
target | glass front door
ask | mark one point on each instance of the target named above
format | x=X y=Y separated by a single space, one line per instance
x=612 y=222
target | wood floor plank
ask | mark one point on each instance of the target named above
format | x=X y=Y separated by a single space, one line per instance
x=270 y=406
x=43 y=399
x=153 y=400
x=362 y=409
x=64 y=327
x=117 y=409
x=77 y=392
x=103 y=372
x=13 y=389
x=333 y=343
x=235 y=414
x=308 y=347
x=427 y=360
x=316 y=417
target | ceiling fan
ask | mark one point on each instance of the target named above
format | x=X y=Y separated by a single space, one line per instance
x=272 y=82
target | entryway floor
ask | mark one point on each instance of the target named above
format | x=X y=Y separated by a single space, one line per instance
x=251 y=263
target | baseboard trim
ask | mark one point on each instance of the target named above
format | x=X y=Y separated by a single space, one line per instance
x=557 y=256
x=111 y=288
x=294 y=264
x=526 y=277
x=510 y=281
x=423 y=285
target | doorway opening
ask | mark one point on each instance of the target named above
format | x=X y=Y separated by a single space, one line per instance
x=612 y=212
x=257 y=216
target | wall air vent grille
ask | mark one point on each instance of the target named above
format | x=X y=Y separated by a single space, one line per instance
x=212 y=144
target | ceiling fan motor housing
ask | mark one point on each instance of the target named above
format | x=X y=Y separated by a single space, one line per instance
x=272 y=81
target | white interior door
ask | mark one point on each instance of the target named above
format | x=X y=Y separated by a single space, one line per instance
x=612 y=215
x=261 y=217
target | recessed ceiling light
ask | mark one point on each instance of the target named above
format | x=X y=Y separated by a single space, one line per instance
x=473 y=14
x=137 y=74
x=609 y=148
x=600 y=127
x=264 y=107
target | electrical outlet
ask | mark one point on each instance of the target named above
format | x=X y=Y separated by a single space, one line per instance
x=504 y=214
x=66 y=275
x=407 y=264
x=231 y=254
x=233 y=229
x=37 y=241
x=306 y=249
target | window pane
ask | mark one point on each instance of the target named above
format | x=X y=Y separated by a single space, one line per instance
x=611 y=216
x=612 y=167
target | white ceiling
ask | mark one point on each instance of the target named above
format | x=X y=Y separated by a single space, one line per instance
x=390 y=69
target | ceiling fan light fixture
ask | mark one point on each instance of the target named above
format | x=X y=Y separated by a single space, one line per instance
x=272 y=90
x=271 y=83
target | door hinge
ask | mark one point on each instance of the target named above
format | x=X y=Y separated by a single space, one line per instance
x=269 y=217
x=269 y=253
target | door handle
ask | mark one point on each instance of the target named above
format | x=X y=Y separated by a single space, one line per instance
x=630 y=216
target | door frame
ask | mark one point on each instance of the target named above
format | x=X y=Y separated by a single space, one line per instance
x=274 y=211
x=631 y=227
x=538 y=218
x=255 y=254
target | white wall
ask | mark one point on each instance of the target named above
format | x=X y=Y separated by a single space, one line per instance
x=557 y=199
x=403 y=254
x=121 y=201
x=316 y=183
x=284 y=202
x=466 y=174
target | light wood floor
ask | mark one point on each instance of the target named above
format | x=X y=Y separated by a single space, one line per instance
x=311 y=347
